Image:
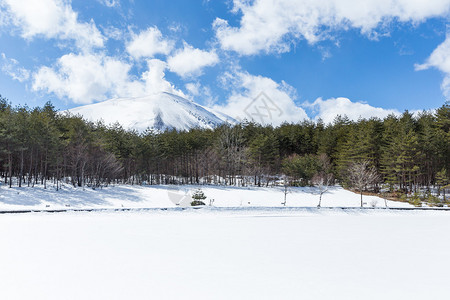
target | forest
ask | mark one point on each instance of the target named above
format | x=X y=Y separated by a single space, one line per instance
x=404 y=154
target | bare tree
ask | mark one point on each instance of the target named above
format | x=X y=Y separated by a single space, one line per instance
x=285 y=189
x=361 y=174
x=324 y=178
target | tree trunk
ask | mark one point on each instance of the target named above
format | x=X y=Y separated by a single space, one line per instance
x=21 y=168
x=10 y=169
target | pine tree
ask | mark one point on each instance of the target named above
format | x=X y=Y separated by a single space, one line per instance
x=263 y=155
x=401 y=152
x=198 y=198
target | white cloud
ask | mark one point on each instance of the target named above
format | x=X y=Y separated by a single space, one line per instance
x=110 y=3
x=260 y=99
x=193 y=88
x=155 y=81
x=11 y=67
x=273 y=25
x=52 y=19
x=176 y=27
x=328 y=109
x=445 y=87
x=3 y=17
x=87 y=78
x=112 y=32
x=82 y=78
x=440 y=59
x=196 y=91
x=265 y=101
x=190 y=61
x=148 y=43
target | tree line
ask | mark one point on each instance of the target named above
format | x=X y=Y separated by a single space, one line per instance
x=40 y=145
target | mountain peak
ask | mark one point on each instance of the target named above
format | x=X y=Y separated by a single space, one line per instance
x=159 y=112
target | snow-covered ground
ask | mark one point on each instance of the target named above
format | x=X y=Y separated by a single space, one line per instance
x=216 y=254
x=169 y=196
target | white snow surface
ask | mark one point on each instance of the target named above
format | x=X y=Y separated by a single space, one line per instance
x=168 y=196
x=208 y=254
x=158 y=112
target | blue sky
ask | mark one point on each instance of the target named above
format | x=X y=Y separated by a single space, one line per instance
x=312 y=58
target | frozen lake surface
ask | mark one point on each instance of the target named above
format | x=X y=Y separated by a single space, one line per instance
x=226 y=254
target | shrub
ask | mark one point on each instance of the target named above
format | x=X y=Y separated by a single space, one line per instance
x=433 y=200
x=198 y=198
x=415 y=200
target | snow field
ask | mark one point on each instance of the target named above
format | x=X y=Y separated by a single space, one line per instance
x=204 y=254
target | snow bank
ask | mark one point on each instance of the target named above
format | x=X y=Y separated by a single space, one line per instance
x=172 y=196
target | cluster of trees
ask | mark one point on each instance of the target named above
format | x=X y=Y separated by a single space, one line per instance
x=39 y=145
x=406 y=152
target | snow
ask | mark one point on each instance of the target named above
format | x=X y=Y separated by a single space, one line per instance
x=158 y=111
x=226 y=254
x=169 y=196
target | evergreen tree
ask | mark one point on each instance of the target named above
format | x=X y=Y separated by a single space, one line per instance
x=263 y=155
x=301 y=167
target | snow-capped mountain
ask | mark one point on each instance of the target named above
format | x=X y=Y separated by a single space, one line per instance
x=159 y=112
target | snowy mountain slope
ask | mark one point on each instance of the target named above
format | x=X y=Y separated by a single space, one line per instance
x=159 y=112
